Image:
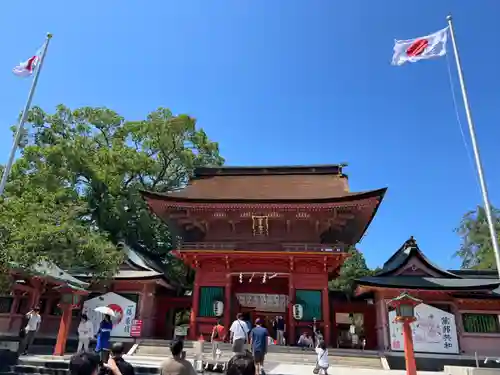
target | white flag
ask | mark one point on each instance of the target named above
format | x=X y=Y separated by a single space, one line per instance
x=27 y=68
x=427 y=47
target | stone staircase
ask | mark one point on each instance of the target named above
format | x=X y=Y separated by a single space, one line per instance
x=276 y=354
x=150 y=353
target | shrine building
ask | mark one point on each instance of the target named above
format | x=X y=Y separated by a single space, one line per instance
x=459 y=313
x=263 y=239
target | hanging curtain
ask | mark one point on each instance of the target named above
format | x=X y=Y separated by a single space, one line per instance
x=311 y=302
x=208 y=295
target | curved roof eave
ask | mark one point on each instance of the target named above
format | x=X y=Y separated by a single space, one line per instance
x=428 y=283
x=344 y=198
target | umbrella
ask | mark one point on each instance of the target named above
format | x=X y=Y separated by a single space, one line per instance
x=105 y=310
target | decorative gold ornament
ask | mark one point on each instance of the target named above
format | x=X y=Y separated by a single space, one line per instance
x=260 y=225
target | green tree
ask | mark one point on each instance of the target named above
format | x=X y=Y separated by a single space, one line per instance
x=38 y=224
x=476 y=250
x=104 y=160
x=353 y=268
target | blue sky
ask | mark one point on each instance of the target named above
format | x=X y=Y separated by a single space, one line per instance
x=286 y=82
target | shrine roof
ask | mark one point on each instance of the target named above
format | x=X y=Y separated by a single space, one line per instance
x=138 y=265
x=51 y=271
x=429 y=283
x=320 y=183
x=478 y=274
x=404 y=254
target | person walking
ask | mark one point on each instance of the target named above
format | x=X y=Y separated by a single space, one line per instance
x=32 y=327
x=218 y=336
x=85 y=333
x=258 y=342
x=103 y=336
x=239 y=334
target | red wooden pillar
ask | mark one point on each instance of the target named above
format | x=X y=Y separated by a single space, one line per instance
x=70 y=299
x=227 y=302
x=146 y=308
x=13 y=309
x=326 y=316
x=291 y=320
x=64 y=327
x=196 y=306
x=334 y=330
x=411 y=367
x=35 y=293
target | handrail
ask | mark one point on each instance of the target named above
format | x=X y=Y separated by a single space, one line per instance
x=242 y=246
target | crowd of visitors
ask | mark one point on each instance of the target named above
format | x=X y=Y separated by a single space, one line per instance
x=249 y=348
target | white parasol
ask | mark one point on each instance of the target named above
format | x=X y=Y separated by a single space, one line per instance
x=105 y=310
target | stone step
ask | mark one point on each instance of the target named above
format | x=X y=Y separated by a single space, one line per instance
x=48 y=365
x=308 y=358
x=146 y=345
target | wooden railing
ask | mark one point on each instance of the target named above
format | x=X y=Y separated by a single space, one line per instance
x=206 y=246
x=328 y=248
x=285 y=247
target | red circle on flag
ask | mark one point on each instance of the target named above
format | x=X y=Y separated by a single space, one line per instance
x=118 y=312
x=417 y=48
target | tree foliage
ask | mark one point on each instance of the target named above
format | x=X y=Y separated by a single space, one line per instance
x=476 y=250
x=353 y=268
x=41 y=225
x=93 y=164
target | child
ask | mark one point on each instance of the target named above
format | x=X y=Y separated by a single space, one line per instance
x=322 y=361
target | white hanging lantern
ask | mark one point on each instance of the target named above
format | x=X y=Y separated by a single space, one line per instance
x=218 y=308
x=298 y=312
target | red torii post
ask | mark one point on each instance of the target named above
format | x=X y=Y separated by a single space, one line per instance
x=405 y=313
x=70 y=300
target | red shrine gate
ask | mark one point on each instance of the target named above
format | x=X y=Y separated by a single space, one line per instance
x=263 y=286
x=263 y=239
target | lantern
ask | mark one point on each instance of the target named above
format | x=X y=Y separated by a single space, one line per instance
x=405 y=306
x=218 y=308
x=298 y=312
x=70 y=299
x=70 y=296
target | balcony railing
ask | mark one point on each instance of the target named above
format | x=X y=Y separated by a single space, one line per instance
x=257 y=247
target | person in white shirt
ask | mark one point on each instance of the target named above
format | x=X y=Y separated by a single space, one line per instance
x=32 y=327
x=322 y=361
x=239 y=334
x=85 y=333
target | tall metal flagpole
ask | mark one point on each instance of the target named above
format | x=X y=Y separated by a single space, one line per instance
x=24 y=116
x=479 y=165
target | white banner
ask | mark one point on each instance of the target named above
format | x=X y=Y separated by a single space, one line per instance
x=264 y=302
x=434 y=331
x=123 y=308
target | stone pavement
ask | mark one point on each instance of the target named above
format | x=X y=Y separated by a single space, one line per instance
x=276 y=368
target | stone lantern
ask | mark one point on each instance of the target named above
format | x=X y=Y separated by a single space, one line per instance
x=404 y=305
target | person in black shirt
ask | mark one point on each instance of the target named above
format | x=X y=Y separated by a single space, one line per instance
x=117 y=351
x=280 y=330
x=84 y=364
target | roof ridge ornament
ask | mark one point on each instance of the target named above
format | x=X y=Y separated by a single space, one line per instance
x=411 y=242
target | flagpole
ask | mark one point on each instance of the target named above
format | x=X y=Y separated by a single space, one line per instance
x=477 y=157
x=24 y=116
